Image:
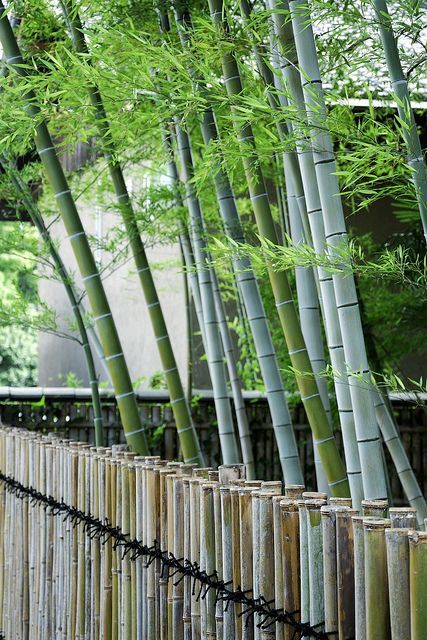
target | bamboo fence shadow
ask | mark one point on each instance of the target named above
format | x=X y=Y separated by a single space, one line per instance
x=102 y=543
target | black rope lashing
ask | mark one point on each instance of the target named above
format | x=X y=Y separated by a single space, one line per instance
x=104 y=531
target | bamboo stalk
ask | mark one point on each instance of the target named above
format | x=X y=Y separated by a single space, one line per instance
x=376 y=580
x=284 y=47
x=334 y=469
x=248 y=286
x=418 y=581
x=181 y=411
x=397 y=544
x=101 y=310
x=408 y=126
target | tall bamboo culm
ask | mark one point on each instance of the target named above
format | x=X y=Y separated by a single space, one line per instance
x=58 y=579
x=308 y=305
x=187 y=434
x=249 y=290
x=283 y=47
x=399 y=85
x=362 y=393
x=125 y=396
x=222 y=324
x=322 y=432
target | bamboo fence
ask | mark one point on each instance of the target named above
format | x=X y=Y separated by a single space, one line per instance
x=103 y=543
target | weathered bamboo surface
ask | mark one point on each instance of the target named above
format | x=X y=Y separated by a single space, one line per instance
x=163 y=550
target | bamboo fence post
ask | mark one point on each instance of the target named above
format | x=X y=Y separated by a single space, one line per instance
x=376 y=581
x=132 y=533
x=164 y=576
x=291 y=561
x=294 y=491
x=359 y=577
x=178 y=551
x=303 y=561
x=186 y=616
x=397 y=545
x=235 y=533
x=107 y=599
x=246 y=542
x=328 y=516
x=315 y=566
x=170 y=546
x=227 y=558
x=266 y=558
x=208 y=540
x=278 y=561
x=195 y=551
x=151 y=496
x=403 y=517
x=81 y=564
x=345 y=572
x=375 y=508
x=418 y=582
x=218 y=555
x=114 y=555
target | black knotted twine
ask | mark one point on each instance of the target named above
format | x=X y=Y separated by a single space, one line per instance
x=171 y=566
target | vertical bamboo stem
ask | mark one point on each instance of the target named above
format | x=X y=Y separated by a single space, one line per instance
x=345 y=572
x=208 y=539
x=376 y=581
x=291 y=560
x=218 y=556
x=397 y=544
x=315 y=566
x=418 y=581
x=328 y=515
x=266 y=559
x=246 y=542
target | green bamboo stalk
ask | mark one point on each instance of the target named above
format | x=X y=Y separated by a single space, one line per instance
x=336 y=236
x=298 y=226
x=182 y=415
x=227 y=436
x=239 y=404
x=361 y=389
x=399 y=85
x=284 y=47
x=37 y=219
x=322 y=432
x=249 y=291
x=190 y=328
x=235 y=382
x=309 y=316
x=125 y=396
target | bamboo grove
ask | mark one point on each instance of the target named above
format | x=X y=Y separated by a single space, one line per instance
x=263 y=164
